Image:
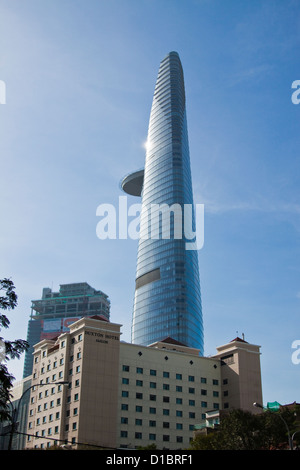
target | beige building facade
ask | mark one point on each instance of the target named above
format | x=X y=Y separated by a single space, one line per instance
x=90 y=388
x=241 y=375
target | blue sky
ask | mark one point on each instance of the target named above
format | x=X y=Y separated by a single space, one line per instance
x=79 y=78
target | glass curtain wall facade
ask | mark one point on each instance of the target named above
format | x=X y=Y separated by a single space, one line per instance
x=167 y=299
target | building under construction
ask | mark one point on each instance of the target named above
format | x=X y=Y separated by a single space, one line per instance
x=55 y=311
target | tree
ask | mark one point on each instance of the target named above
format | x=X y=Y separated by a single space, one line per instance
x=211 y=441
x=242 y=430
x=8 y=349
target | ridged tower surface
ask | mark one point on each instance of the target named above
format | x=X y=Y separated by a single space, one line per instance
x=167 y=299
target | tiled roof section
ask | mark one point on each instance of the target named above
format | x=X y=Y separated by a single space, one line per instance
x=170 y=340
x=99 y=317
x=239 y=339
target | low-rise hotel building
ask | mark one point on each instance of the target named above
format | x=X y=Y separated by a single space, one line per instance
x=89 y=388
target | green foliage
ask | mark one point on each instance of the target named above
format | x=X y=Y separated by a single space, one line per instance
x=9 y=349
x=148 y=447
x=210 y=441
x=242 y=430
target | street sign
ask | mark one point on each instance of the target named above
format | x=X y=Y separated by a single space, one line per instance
x=273 y=406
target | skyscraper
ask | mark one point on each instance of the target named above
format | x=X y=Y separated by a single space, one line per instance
x=167 y=299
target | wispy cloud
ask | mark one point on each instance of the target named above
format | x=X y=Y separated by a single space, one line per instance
x=254 y=74
x=257 y=204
